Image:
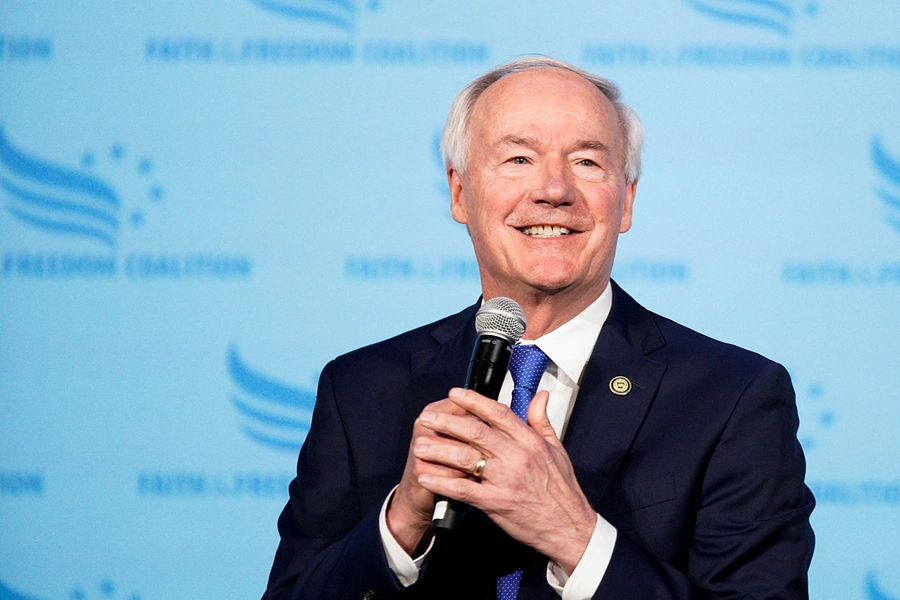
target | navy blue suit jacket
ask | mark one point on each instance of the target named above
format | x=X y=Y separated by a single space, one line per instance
x=698 y=468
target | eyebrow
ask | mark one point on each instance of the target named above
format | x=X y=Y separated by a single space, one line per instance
x=514 y=140
x=592 y=145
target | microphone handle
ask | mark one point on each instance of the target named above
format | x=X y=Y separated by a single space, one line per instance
x=487 y=369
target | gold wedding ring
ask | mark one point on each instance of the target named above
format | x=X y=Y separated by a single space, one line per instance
x=479 y=466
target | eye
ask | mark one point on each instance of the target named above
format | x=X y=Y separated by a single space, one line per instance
x=586 y=162
x=519 y=160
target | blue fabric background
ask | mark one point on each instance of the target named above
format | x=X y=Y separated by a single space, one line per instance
x=202 y=202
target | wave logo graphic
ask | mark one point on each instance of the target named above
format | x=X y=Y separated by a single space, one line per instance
x=8 y=594
x=874 y=591
x=64 y=201
x=57 y=200
x=889 y=169
x=271 y=413
x=337 y=13
x=771 y=15
x=106 y=589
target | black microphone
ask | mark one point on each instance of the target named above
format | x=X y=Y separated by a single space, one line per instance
x=500 y=322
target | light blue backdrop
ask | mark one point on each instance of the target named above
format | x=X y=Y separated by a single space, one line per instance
x=203 y=202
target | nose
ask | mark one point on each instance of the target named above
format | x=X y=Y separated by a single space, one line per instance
x=554 y=186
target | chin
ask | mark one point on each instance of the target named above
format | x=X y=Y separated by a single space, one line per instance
x=552 y=273
x=549 y=284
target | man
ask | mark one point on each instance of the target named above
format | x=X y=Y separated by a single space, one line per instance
x=680 y=475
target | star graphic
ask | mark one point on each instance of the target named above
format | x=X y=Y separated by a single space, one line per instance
x=811 y=9
x=156 y=193
x=116 y=152
x=107 y=588
x=137 y=218
x=87 y=160
x=76 y=595
x=145 y=166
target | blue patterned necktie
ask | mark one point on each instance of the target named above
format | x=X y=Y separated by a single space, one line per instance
x=526 y=366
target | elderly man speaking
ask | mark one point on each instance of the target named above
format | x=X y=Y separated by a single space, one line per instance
x=652 y=462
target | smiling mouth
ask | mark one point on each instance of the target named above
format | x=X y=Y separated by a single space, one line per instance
x=545 y=231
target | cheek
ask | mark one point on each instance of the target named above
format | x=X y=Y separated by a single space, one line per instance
x=611 y=206
x=484 y=214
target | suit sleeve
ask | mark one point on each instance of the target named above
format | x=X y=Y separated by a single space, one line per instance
x=751 y=537
x=328 y=547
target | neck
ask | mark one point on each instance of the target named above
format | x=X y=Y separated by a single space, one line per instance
x=545 y=312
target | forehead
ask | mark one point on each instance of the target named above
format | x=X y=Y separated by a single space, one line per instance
x=546 y=102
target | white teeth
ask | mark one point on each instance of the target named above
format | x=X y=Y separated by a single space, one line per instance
x=545 y=231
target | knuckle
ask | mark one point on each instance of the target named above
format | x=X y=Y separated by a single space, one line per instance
x=461 y=490
x=480 y=433
x=497 y=411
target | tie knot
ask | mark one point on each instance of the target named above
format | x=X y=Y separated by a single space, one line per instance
x=527 y=365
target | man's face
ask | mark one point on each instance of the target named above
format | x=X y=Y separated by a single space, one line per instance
x=544 y=194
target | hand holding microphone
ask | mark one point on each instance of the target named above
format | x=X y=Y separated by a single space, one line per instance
x=500 y=323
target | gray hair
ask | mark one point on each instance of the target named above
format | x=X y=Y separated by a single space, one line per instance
x=455 y=138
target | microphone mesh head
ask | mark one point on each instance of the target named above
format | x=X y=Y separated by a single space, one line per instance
x=501 y=316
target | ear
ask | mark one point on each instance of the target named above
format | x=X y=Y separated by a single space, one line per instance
x=457 y=206
x=627 y=205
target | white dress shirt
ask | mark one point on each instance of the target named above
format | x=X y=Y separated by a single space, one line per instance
x=569 y=348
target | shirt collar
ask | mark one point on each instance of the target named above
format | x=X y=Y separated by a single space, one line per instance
x=570 y=345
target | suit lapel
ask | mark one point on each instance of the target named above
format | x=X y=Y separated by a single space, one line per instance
x=435 y=370
x=603 y=424
x=442 y=364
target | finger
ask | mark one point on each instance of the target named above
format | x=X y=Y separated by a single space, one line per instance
x=465 y=490
x=469 y=430
x=425 y=428
x=441 y=407
x=445 y=406
x=538 y=419
x=425 y=467
x=449 y=453
x=497 y=415
x=420 y=466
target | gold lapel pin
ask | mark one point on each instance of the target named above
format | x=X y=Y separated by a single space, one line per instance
x=620 y=385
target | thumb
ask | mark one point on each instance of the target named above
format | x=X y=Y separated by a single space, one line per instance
x=537 y=417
